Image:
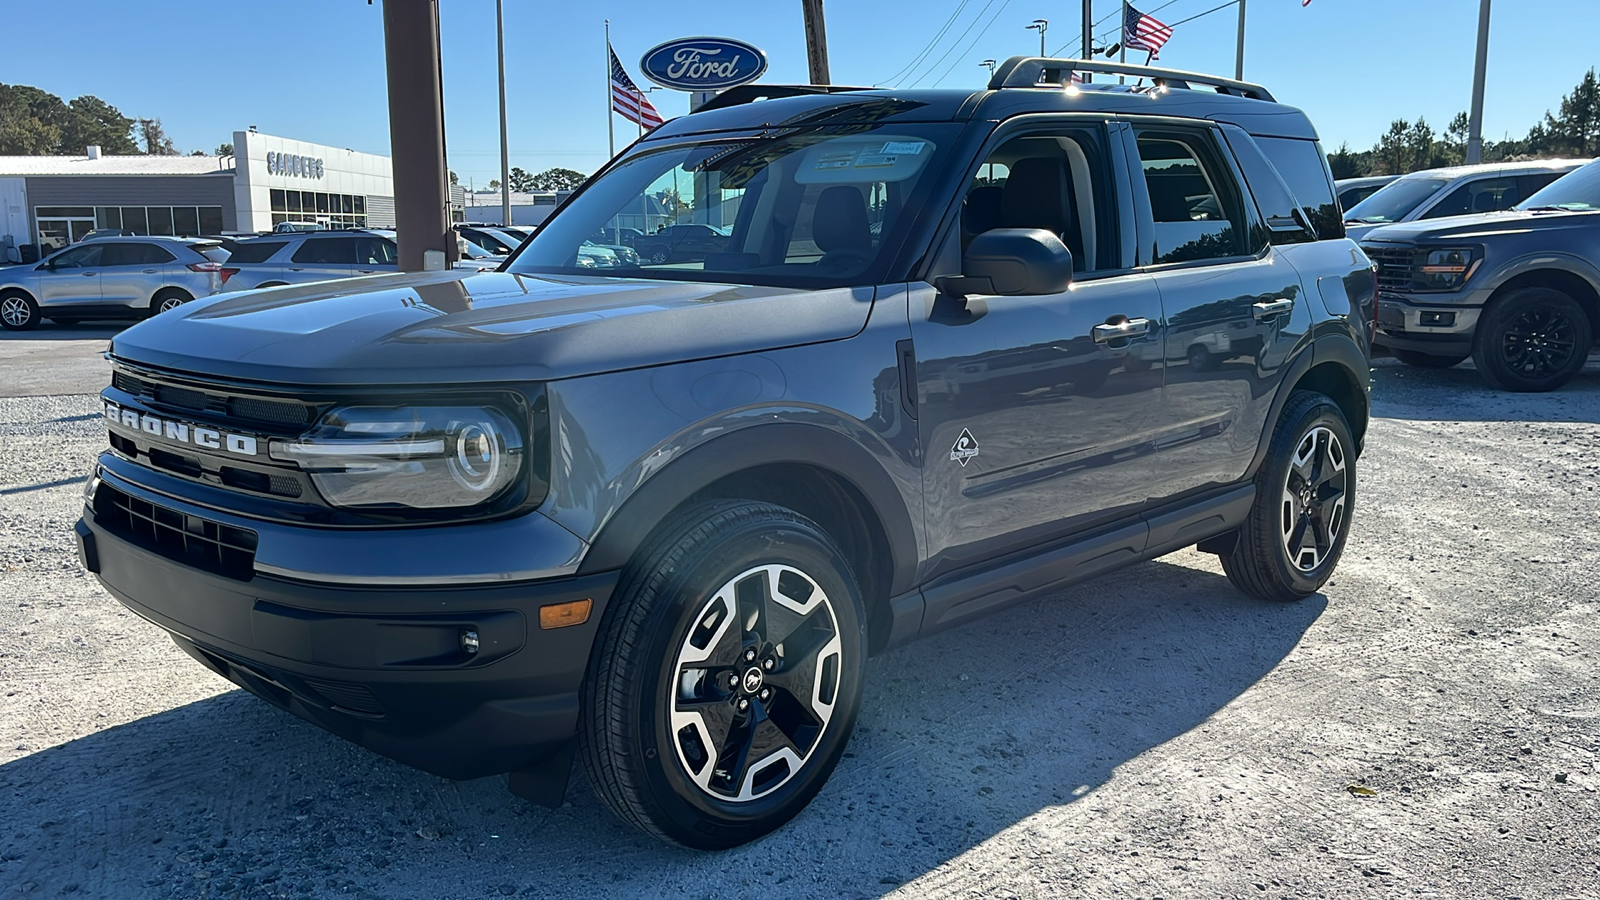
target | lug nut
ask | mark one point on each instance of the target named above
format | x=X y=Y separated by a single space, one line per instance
x=766 y=693
x=743 y=703
x=769 y=664
x=749 y=655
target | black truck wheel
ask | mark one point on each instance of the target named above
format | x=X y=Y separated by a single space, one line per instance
x=726 y=677
x=1305 y=493
x=1532 y=339
x=1428 y=360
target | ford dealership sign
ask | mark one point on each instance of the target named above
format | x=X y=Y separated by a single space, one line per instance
x=703 y=64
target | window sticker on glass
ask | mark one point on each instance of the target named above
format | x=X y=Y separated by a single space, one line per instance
x=910 y=148
x=852 y=160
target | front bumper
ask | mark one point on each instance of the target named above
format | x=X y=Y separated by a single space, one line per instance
x=1416 y=323
x=382 y=666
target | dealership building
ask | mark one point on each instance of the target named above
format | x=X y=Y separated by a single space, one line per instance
x=47 y=202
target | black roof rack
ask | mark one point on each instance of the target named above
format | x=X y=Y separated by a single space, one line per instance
x=750 y=93
x=1038 y=71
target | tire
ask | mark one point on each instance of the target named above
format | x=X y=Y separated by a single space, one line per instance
x=654 y=724
x=18 y=312
x=1311 y=439
x=1532 y=339
x=1428 y=360
x=1202 y=359
x=170 y=298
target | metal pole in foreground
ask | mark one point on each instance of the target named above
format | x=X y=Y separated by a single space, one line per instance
x=1238 y=59
x=505 y=152
x=611 y=125
x=416 y=134
x=816 y=42
x=1088 y=39
x=1475 y=119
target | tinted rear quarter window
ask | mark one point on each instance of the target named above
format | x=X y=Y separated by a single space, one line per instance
x=255 y=251
x=1306 y=172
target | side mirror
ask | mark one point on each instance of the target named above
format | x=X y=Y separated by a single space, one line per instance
x=1011 y=261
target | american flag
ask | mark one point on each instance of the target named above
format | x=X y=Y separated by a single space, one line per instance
x=627 y=99
x=1142 y=32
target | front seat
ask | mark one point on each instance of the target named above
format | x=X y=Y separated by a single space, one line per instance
x=840 y=230
x=1038 y=194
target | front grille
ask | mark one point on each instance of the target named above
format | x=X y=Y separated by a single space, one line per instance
x=212 y=546
x=1395 y=266
x=216 y=401
x=357 y=698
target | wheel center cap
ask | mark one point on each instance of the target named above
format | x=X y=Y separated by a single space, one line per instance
x=752 y=680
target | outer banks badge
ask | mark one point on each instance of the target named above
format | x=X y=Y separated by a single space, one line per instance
x=966 y=448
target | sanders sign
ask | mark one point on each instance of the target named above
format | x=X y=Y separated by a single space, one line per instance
x=703 y=64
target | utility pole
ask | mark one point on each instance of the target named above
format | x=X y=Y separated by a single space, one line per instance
x=816 y=42
x=1088 y=37
x=416 y=134
x=1238 y=59
x=1475 y=119
x=505 y=152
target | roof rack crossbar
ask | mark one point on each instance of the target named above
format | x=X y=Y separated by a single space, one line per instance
x=1037 y=71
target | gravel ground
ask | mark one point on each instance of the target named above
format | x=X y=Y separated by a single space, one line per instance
x=1428 y=725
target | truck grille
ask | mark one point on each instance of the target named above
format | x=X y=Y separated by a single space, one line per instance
x=1395 y=265
x=200 y=398
x=212 y=546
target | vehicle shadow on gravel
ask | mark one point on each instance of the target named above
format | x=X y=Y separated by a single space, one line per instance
x=962 y=736
x=1459 y=394
x=77 y=331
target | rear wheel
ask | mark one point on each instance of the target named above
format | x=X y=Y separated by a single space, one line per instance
x=657 y=254
x=171 y=298
x=1532 y=339
x=1305 y=494
x=1428 y=360
x=726 y=676
x=18 y=312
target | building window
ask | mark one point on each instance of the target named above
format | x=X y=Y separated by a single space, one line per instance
x=331 y=210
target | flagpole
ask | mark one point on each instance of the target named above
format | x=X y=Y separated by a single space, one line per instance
x=1238 y=63
x=1122 y=50
x=611 y=126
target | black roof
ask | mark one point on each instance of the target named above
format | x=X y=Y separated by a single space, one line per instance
x=1175 y=94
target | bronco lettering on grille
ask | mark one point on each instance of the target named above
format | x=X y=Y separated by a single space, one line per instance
x=182 y=432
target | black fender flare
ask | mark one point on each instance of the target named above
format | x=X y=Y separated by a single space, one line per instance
x=1337 y=348
x=781 y=442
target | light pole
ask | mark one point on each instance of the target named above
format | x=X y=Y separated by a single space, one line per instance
x=505 y=152
x=1238 y=50
x=1039 y=25
x=1475 y=120
x=988 y=64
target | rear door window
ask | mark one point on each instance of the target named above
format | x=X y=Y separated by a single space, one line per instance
x=132 y=255
x=1196 y=206
x=327 y=252
x=255 y=251
x=373 y=251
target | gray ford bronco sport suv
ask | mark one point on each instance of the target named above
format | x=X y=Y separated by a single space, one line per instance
x=1518 y=291
x=658 y=518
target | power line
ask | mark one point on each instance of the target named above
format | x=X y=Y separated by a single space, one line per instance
x=973 y=43
x=1206 y=13
x=899 y=76
x=952 y=47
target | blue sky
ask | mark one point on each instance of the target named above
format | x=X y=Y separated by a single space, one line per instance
x=313 y=69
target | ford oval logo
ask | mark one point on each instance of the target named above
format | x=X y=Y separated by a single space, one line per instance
x=703 y=64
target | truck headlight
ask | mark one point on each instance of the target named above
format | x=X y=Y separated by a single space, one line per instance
x=1446 y=269
x=423 y=457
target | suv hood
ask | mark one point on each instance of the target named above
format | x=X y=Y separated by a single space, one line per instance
x=1479 y=227
x=459 y=327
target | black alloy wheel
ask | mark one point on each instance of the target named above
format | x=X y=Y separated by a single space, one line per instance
x=1532 y=339
x=726 y=676
x=1305 y=495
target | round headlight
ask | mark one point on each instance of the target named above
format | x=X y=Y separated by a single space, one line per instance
x=475 y=465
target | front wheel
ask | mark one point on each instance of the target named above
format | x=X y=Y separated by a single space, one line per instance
x=656 y=255
x=726 y=677
x=1305 y=494
x=1532 y=339
x=18 y=312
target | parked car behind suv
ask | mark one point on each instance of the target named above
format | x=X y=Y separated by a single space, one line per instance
x=1519 y=292
x=1354 y=190
x=1454 y=191
x=108 y=278
x=300 y=257
x=658 y=517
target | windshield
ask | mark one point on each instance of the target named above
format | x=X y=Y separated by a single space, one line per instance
x=1395 y=201
x=816 y=207
x=1578 y=190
